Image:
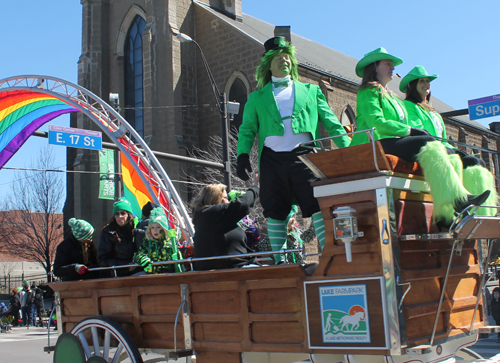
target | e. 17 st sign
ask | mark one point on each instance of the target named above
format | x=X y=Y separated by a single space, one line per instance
x=68 y=136
x=484 y=107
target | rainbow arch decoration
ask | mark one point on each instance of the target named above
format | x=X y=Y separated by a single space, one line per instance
x=22 y=112
x=28 y=102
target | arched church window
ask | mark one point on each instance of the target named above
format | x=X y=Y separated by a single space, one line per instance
x=134 y=102
x=238 y=93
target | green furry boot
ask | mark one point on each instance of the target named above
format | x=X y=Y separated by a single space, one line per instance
x=444 y=182
x=478 y=179
x=456 y=161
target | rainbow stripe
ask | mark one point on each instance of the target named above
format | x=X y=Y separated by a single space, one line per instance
x=21 y=114
x=134 y=189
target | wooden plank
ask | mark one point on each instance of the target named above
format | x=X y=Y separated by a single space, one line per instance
x=215 y=302
x=214 y=318
x=423 y=325
x=439 y=272
x=349 y=161
x=217 y=357
x=217 y=332
x=215 y=286
x=217 y=346
x=271 y=284
x=111 y=305
x=416 y=311
x=293 y=317
x=158 y=304
x=162 y=331
x=78 y=306
x=158 y=318
x=277 y=332
x=244 y=307
x=277 y=300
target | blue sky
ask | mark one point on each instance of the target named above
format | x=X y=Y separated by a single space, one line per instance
x=454 y=39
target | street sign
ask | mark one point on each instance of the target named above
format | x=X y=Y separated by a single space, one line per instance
x=484 y=107
x=68 y=136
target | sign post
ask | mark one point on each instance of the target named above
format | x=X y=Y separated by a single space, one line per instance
x=484 y=107
x=68 y=136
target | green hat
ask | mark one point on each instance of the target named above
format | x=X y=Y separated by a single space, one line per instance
x=158 y=216
x=374 y=56
x=82 y=230
x=415 y=73
x=122 y=204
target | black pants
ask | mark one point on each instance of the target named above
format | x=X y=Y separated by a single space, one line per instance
x=408 y=147
x=405 y=148
x=285 y=180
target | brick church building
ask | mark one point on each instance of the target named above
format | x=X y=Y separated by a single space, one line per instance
x=129 y=47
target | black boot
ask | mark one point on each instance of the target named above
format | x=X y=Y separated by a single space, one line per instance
x=459 y=206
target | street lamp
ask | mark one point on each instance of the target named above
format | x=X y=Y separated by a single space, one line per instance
x=220 y=99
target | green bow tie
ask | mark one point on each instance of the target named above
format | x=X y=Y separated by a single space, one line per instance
x=280 y=84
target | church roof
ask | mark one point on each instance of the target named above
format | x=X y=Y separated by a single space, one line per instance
x=321 y=58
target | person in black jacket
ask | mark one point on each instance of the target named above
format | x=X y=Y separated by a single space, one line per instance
x=495 y=307
x=119 y=239
x=15 y=306
x=76 y=253
x=216 y=224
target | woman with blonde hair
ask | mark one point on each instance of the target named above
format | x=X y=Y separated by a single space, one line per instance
x=379 y=107
x=216 y=224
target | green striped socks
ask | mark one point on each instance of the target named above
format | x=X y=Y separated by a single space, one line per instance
x=319 y=228
x=277 y=236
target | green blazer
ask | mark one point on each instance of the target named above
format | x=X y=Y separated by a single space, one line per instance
x=435 y=125
x=262 y=118
x=379 y=109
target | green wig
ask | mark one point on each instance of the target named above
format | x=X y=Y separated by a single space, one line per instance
x=263 y=73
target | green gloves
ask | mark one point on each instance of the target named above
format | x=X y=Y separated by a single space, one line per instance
x=145 y=262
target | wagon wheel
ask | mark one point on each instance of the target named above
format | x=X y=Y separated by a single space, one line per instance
x=117 y=345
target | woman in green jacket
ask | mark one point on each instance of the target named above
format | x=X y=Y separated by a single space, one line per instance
x=378 y=107
x=472 y=170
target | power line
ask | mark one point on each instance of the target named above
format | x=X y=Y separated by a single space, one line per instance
x=62 y=171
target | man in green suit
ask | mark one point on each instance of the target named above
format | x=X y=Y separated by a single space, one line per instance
x=284 y=113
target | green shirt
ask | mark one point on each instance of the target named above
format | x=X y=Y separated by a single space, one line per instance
x=429 y=120
x=382 y=110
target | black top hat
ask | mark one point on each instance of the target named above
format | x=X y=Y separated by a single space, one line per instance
x=274 y=43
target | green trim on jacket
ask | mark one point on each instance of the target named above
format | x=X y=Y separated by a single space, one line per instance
x=262 y=118
x=378 y=109
x=417 y=114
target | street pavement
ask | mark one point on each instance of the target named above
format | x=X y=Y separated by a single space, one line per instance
x=26 y=345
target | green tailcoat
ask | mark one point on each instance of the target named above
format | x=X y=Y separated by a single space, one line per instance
x=262 y=118
x=434 y=125
x=380 y=110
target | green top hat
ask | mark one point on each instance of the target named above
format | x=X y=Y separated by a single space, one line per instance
x=415 y=73
x=374 y=56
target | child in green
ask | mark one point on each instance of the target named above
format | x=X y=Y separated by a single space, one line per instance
x=160 y=244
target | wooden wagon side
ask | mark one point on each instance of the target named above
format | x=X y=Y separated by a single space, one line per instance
x=231 y=311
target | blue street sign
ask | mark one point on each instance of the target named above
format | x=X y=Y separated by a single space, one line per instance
x=484 y=107
x=68 y=136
